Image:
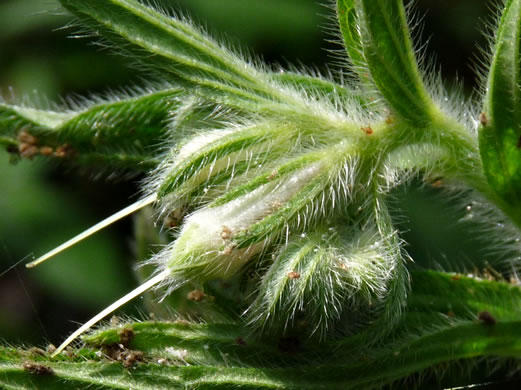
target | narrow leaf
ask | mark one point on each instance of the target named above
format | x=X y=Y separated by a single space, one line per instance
x=389 y=53
x=351 y=35
x=172 y=48
x=500 y=133
x=119 y=133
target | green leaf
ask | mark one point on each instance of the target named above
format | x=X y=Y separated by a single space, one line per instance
x=349 y=27
x=171 y=355
x=388 y=51
x=123 y=132
x=319 y=88
x=172 y=48
x=500 y=133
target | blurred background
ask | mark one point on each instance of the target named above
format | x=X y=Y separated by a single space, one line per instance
x=42 y=205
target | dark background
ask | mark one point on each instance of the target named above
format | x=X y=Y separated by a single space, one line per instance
x=42 y=205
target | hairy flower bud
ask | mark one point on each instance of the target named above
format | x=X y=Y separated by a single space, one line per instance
x=217 y=240
x=343 y=269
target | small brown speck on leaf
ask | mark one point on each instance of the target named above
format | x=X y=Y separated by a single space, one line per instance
x=120 y=353
x=240 y=341
x=483 y=119
x=64 y=151
x=226 y=233
x=26 y=138
x=126 y=335
x=69 y=352
x=486 y=318
x=28 y=150
x=129 y=357
x=367 y=129
x=342 y=265
x=196 y=295
x=37 y=369
x=437 y=183
x=46 y=151
x=293 y=275
x=50 y=349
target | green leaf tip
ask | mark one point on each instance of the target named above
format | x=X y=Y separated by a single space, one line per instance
x=112 y=133
x=500 y=130
x=351 y=35
x=377 y=40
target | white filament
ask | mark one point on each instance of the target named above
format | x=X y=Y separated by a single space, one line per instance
x=90 y=231
x=116 y=305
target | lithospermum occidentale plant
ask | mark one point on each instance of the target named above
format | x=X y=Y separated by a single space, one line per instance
x=287 y=174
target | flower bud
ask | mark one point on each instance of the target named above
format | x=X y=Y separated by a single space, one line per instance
x=219 y=239
x=330 y=280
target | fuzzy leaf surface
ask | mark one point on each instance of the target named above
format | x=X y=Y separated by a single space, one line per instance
x=500 y=134
x=389 y=53
x=172 y=48
x=350 y=29
x=123 y=133
x=176 y=355
x=320 y=87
